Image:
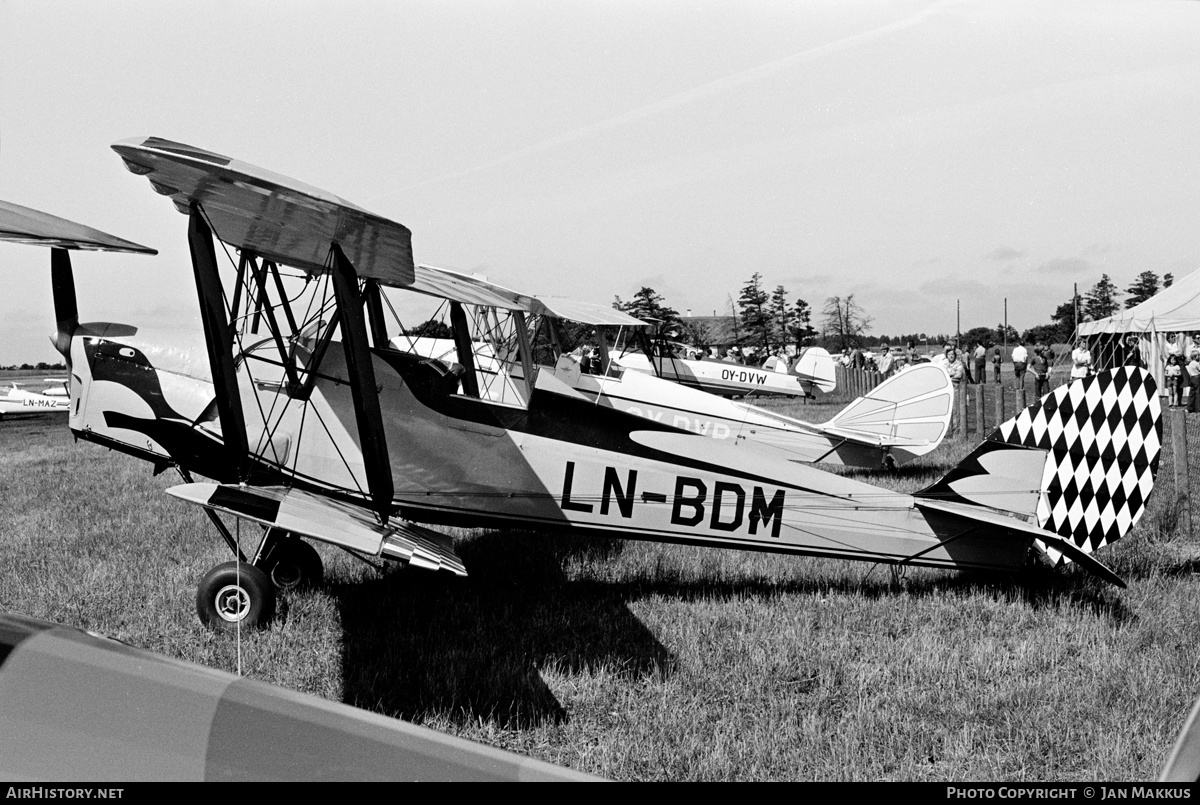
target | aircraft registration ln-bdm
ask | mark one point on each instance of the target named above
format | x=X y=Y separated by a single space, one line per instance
x=363 y=446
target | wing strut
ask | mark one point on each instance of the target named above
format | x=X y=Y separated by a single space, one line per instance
x=362 y=384
x=372 y=293
x=218 y=338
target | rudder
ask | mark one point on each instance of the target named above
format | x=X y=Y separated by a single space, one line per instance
x=1100 y=438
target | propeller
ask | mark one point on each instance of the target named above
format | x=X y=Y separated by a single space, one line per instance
x=66 y=309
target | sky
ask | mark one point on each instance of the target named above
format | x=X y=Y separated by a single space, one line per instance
x=919 y=155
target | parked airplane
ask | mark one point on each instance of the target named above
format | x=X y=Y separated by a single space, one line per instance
x=16 y=401
x=904 y=417
x=360 y=446
x=813 y=371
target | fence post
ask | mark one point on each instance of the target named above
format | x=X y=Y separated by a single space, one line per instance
x=980 y=422
x=999 y=404
x=961 y=401
x=1020 y=401
x=1183 y=503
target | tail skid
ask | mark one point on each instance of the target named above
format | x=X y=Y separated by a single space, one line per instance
x=1078 y=465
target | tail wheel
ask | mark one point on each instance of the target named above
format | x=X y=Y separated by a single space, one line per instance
x=294 y=565
x=233 y=594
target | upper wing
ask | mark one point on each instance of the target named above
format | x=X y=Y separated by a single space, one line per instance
x=587 y=312
x=24 y=225
x=270 y=214
x=473 y=289
x=470 y=289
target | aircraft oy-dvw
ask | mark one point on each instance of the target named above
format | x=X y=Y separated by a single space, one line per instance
x=355 y=442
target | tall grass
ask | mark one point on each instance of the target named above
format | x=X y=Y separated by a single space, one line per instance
x=644 y=661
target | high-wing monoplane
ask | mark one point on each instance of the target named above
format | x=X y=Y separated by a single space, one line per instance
x=17 y=401
x=362 y=446
x=812 y=372
x=904 y=417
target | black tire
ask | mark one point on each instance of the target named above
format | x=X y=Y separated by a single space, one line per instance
x=235 y=593
x=295 y=565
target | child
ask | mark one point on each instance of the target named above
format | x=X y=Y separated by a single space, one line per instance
x=1174 y=377
x=1192 y=390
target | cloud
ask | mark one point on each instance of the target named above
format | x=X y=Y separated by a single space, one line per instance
x=949 y=285
x=1004 y=253
x=1066 y=265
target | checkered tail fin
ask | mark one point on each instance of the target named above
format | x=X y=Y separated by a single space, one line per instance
x=1080 y=462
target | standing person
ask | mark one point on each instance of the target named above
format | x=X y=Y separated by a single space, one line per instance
x=980 y=363
x=885 y=361
x=1133 y=353
x=996 y=358
x=913 y=355
x=1020 y=358
x=1040 y=367
x=1174 y=379
x=1193 y=377
x=1081 y=361
x=958 y=373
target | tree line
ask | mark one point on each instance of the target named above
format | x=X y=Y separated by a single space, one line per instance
x=767 y=320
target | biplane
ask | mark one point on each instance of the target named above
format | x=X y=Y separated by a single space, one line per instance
x=906 y=416
x=354 y=443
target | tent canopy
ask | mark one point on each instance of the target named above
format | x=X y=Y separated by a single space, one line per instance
x=1171 y=310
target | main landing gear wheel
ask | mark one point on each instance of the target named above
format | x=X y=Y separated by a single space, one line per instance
x=233 y=594
x=294 y=565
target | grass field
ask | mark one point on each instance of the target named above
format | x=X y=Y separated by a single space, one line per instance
x=641 y=661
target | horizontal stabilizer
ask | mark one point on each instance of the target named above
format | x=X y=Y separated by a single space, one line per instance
x=1080 y=462
x=910 y=409
x=985 y=517
x=308 y=515
x=36 y=228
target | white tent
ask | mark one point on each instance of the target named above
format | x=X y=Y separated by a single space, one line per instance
x=1173 y=312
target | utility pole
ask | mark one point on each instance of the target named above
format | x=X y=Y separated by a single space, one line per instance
x=958 y=323
x=1005 y=325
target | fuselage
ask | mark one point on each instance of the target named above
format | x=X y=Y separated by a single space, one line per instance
x=16 y=401
x=555 y=460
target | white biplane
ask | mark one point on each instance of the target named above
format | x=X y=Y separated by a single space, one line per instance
x=906 y=416
x=362 y=445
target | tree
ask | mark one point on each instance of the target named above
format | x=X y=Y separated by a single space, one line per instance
x=802 y=328
x=1168 y=279
x=1064 y=317
x=755 y=314
x=844 y=321
x=1144 y=287
x=1045 y=334
x=432 y=328
x=782 y=317
x=1005 y=334
x=646 y=305
x=1101 y=300
x=978 y=335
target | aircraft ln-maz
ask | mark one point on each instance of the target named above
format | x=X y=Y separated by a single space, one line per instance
x=361 y=445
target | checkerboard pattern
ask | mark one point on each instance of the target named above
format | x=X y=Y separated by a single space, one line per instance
x=1103 y=435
